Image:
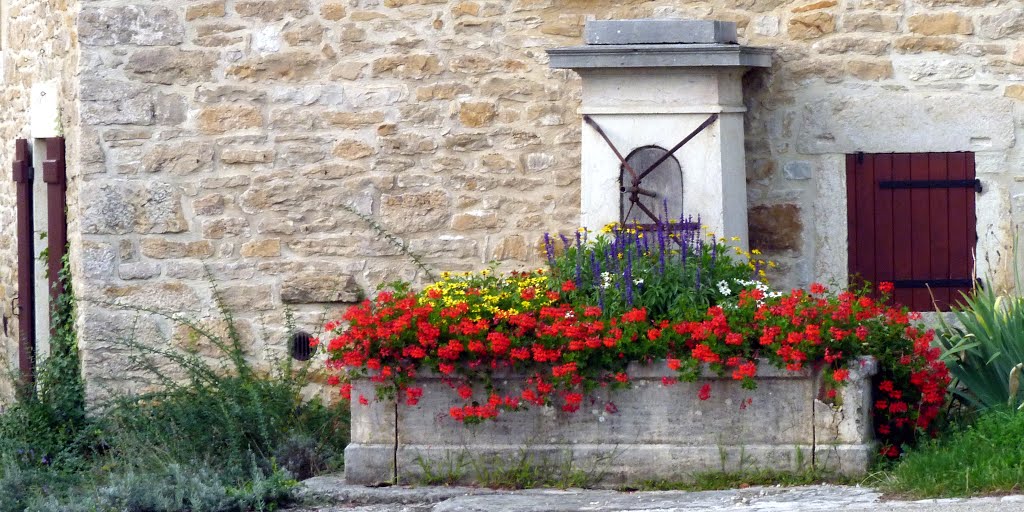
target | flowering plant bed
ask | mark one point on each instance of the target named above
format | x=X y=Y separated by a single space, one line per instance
x=580 y=335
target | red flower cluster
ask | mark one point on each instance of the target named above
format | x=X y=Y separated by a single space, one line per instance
x=567 y=350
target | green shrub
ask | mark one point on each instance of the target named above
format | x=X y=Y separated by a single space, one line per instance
x=231 y=419
x=985 y=347
x=226 y=438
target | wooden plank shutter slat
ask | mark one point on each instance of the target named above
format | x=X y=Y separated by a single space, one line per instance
x=938 y=227
x=960 y=226
x=902 y=229
x=972 y=219
x=866 y=186
x=884 y=240
x=920 y=212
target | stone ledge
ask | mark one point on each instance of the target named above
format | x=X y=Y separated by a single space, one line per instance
x=660 y=56
x=659 y=32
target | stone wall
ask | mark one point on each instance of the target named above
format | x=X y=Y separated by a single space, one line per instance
x=240 y=135
x=37 y=46
x=879 y=76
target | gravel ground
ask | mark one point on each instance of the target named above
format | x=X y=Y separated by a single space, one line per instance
x=330 y=494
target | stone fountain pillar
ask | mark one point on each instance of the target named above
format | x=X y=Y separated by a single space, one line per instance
x=647 y=85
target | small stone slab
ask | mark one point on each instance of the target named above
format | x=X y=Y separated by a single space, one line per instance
x=692 y=55
x=659 y=32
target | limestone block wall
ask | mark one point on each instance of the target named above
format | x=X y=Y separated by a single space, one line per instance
x=236 y=135
x=37 y=44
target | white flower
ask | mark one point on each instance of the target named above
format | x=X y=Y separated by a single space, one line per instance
x=638 y=282
x=606 y=280
x=723 y=288
x=569 y=315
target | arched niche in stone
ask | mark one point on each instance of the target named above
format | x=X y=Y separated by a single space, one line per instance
x=658 y=196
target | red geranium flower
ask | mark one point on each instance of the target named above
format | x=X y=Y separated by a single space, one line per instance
x=705 y=392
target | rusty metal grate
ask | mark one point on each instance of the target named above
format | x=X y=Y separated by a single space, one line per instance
x=300 y=346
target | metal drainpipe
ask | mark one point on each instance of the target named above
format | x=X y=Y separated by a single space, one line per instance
x=26 y=274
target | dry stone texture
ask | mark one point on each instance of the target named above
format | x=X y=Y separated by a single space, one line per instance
x=238 y=137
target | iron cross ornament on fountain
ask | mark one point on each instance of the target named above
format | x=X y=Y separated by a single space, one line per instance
x=654 y=194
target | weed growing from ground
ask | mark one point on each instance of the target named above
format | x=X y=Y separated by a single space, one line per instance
x=226 y=438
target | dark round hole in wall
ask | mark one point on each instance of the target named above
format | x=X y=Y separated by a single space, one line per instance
x=300 y=346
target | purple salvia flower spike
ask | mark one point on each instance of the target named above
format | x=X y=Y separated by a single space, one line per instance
x=628 y=278
x=661 y=248
x=550 y=248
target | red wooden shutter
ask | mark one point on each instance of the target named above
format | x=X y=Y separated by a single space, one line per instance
x=912 y=222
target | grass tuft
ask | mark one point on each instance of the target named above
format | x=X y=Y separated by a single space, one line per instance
x=984 y=458
x=717 y=480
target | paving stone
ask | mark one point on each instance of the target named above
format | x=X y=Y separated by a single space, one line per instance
x=330 y=494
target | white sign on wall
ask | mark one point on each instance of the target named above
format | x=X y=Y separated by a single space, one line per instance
x=44 y=109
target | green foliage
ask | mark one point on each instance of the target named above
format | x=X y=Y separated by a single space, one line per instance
x=227 y=437
x=176 y=488
x=48 y=426
x=984 y=348
x=233 y=420
x=986 y=457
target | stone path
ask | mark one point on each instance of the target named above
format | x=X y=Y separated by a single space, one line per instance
x=330 y=494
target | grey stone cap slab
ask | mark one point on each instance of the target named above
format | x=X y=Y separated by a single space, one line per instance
x=659 y=31
x=660 y=56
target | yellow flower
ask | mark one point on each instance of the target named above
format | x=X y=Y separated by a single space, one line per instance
x=755 y=251
x=735 y=239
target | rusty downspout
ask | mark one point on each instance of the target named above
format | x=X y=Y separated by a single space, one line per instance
x=26 y=256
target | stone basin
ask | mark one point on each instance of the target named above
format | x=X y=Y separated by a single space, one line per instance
x=656 y=432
